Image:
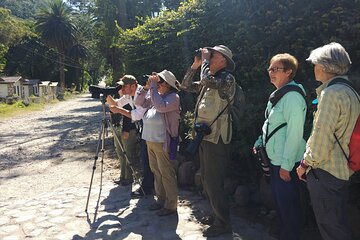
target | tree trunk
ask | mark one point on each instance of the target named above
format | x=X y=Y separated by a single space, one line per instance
x=122 y=13
x=62 y=75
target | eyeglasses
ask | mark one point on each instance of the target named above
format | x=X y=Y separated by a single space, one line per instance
x=274 y=69
x=161 y=80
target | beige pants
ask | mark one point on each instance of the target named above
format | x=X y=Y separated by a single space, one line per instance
x=164 y=175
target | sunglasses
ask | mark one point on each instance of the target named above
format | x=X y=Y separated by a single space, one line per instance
x=161 y=80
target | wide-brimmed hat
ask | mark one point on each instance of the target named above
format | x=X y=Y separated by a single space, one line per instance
x=170 y=78
x=127 y=79
x=227 y=53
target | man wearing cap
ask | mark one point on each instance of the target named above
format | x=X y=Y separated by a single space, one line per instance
x=215 y=88
x=131 y=112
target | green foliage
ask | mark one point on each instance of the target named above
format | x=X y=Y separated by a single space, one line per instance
x=30 y=58
x=55 y=26
x=25 y=9
x=255 y=30
x=11 y=31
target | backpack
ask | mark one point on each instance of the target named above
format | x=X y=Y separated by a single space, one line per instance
x=237 y=106
x=354 y=144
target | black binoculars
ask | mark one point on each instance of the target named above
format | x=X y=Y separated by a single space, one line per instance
x=198 y=53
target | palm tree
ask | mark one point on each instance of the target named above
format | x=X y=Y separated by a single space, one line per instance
x=57 y=30
x=77 y=53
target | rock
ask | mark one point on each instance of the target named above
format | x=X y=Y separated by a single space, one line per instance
x=197 y=180
x=186 y=174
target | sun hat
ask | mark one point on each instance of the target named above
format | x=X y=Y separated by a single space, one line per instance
x=227 y=53
x=127 y=79
x=169 y=78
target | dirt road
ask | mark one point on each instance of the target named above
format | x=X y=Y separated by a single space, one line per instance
x=46 y=161
x=43 y=150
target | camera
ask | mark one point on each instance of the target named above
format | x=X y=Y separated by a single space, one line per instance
x=144 y=79
x=201 y=129
x=198 y=53
x=105 y=91
x=261 y=155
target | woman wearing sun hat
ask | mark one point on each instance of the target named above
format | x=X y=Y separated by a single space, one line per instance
x=161 y=124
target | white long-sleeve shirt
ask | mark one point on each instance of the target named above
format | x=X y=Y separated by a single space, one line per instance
x=138 y=112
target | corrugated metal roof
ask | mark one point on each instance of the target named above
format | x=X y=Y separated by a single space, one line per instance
x=7 y=80
x=31 y=81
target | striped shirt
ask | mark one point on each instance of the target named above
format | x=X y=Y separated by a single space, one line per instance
x=338 y=110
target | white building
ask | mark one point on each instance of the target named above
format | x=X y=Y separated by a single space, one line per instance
x=11 y=87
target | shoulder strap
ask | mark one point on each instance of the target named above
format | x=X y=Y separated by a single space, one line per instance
x=278 y=94
x=352 y=87
x=346 y=83
x=274 y=99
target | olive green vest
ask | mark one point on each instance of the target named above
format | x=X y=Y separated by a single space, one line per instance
x=208 y=108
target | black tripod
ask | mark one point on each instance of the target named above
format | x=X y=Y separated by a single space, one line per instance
x=101 y=141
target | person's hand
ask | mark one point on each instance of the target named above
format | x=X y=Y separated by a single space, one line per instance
x=113 y=108
x=206 y=54
x=108 y=98
x=147 y=84
x=125 y=135
x=284 y=175
x=301 y=172
x=197 y=63
x=154 y=77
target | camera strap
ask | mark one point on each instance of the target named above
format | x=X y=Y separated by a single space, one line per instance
x=267 y=137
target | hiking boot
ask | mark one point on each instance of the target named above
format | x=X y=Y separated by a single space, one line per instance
x=155 y=206
x=165 y=212
x=214 y=231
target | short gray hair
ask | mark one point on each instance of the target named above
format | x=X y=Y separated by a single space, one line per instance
x=333 y=57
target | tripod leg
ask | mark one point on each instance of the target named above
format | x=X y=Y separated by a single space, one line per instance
x=100 y=140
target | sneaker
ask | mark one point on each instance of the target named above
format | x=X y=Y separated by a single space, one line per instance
x=214 y=231
x=155 y=206
x=165 y=212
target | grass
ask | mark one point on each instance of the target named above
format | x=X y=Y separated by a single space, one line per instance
x=17 y=108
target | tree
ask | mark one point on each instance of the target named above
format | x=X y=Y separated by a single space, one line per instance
x=30 y=58
x=25 y=9
x=11 y=31
x=56 y=29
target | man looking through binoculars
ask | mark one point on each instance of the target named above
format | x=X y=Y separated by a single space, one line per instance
x=215 y=88
x=128 y=138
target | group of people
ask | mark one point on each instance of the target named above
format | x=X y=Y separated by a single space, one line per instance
x=319 y=161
